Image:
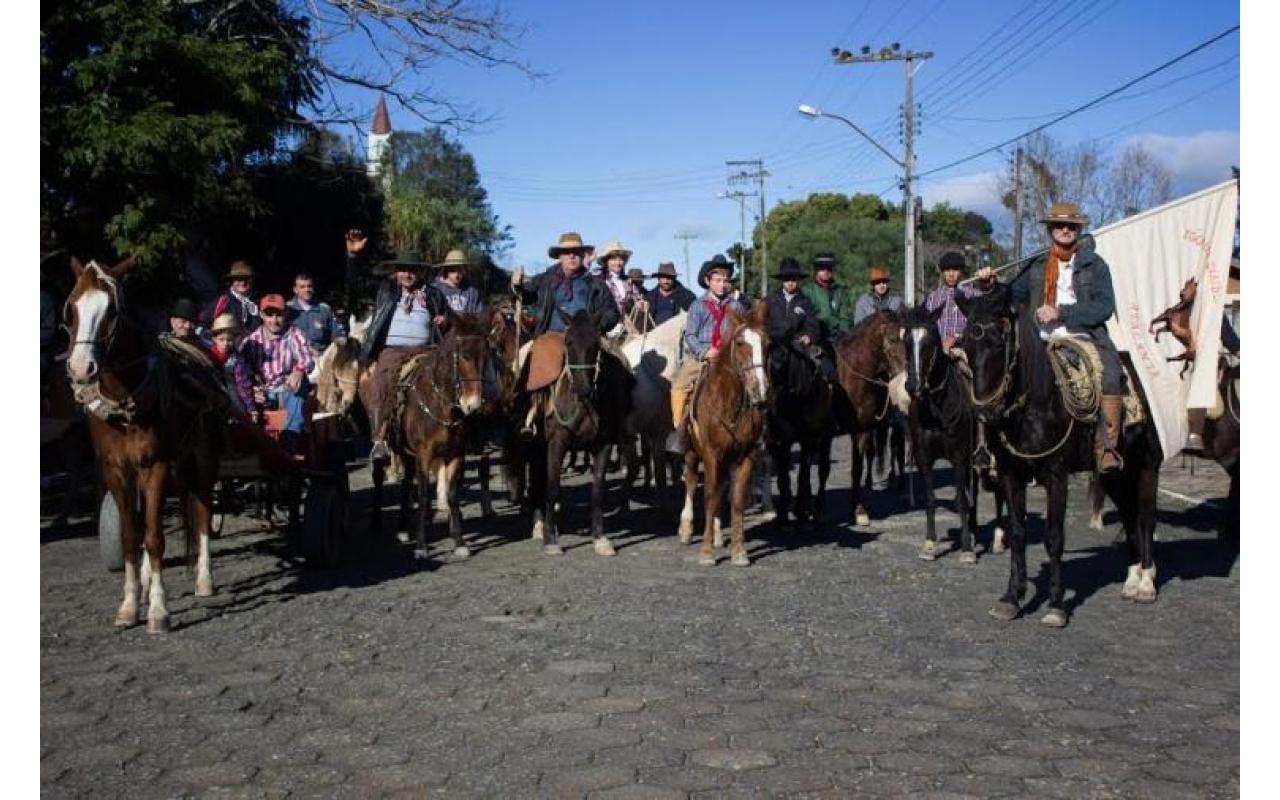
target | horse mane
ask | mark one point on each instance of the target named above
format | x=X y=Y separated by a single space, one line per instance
x=1034 y=370
x=866 y=324
x=469 y=324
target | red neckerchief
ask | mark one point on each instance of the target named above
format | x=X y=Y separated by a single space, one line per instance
x=717 y=315
x=219 y=356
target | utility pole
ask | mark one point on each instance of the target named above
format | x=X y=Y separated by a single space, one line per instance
x=686 y=236
x=754 y=171
x=1017 y=203
x=895 y=53
x=741 y=197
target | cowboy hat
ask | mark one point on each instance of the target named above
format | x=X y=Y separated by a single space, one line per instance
x=225 y=322
x=718 y=261
x=666 y=269
x=405 y=260
x=454 y=258
x=568 y=241
x=635 y=274
x=240 y=271
x=790 y=270
x=952 y=259
x=613 y=248
x=184 y=309
x=877 y=275
x=1065 y=212
x=824 y=261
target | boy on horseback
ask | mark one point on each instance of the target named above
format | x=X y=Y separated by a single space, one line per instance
x=831 y=301
x=1070 y=289
x=702 y=331
x=951 y=324
x=792 y=321
x=878 y=299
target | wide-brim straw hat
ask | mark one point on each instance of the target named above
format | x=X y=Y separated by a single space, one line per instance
x=1065 y=212
x=454 y=258
x=240 y=270
x=878 y=274
x=224 y=323
x=666 y=270
x=718 y=261
x=614 y=248
x=567 y=241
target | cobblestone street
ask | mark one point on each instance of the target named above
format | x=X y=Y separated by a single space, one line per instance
x=839 y=664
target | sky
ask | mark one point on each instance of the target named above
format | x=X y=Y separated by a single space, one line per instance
x=642 y=103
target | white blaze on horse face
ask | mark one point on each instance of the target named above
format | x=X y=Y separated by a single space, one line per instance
x=91 y=310
x=753 y=341
x=917 y=341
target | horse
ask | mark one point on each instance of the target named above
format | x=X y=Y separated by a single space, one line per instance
x=146 y=423
x=726 y=422
x=1222 y=442
x=941 y=424
x=337 y=377
x=585 y=408
x=1176 y=320
x=653 y=355
x=1034 y=434
x=870 y=363
x=443 y=390
x=800 y=413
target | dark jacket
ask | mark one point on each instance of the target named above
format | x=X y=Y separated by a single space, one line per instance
x=318 y=323
x=541 y=290
x=389 y=293
x=229 y=303
x=787 y=320
x=664 y=307
x=1091 y=280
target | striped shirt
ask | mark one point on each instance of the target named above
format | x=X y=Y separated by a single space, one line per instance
x=952 y=322
x=273 y=360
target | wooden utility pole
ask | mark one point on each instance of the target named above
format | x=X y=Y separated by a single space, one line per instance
x=1017 y=203
x=687 y=236
x=754 y=171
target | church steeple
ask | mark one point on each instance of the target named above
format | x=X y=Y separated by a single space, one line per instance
x=379 y=139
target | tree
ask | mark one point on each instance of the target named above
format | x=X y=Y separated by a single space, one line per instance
x=1137 y=181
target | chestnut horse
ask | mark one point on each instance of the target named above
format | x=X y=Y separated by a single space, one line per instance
x=726 y=422
x=142 y=432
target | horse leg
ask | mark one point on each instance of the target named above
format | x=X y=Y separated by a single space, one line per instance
x=202 y=512
x=447 y=498
x=379 y=470
x=647 y=463
x=924 y=468
x=1096 y=498
x=125 y=494
x=555 y=458
x=824 y=472
x=536 y=489
x=685 y=530
x=1015 y=491
x=780 y=455
x=631 y=462
x=1148 y=480
x=1054 y=542
x=486 y=498
x=407 y=469
x=804 y=486
x=711 y=508
x=598 y=467
x=965 y=501
x=741 y=485
x=152 y=480
x=897 y=456
x=424 y=515
x=858 y=442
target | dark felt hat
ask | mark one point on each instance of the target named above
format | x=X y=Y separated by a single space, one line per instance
x=824 y=261
x=718 y=261
x=666 y=270
x=952 y=259
x=790 y=270
x=184 y=309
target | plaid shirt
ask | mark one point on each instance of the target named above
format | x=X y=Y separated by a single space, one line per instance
x=274 y=360
x=952 y=322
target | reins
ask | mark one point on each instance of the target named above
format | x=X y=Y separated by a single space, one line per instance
x=578 y=406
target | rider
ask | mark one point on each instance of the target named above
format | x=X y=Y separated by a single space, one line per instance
x=403 y=325
x=1070 y=289
x=236 y=300
x=225 y=331
x=951 y=323
x=635 y=277
x=451 y=286
x=614 y=260
x=316 y=320
x=669 y=297
x=831 y=302
x=280 y=357
x=791 y=319
x=878 y=299
x=182 y=319
x=702 y=331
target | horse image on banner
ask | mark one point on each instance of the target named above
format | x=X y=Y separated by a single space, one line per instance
x=1153 y=257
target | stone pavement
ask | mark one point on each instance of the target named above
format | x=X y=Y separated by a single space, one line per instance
x=838 y=664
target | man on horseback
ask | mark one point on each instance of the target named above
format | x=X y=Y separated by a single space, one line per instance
x=831 y=302
x=316 y=320
x=280 y=358
x=878 y=299
x=450 y=284
x=792 y=321
x=182 y=319
x=951 y=323
x=1070 y=289
x=669 y=297
x=236 y=300
x=702 y=331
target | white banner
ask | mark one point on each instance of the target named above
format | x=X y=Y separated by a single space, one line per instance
x=1152 y=255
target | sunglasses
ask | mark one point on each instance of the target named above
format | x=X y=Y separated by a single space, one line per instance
x=271 y=312
x=1070 y=226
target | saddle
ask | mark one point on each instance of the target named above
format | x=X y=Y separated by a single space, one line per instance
x=544 y=363
x=1078 y=368
x=405 y=378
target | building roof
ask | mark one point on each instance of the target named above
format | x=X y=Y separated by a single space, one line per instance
x=381 y=119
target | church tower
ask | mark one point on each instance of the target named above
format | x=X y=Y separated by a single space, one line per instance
x=379 y=140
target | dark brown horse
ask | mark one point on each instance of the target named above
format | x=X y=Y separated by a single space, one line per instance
x=427 y=430
x=726 y=423
x=142 y=430
x=868 y=358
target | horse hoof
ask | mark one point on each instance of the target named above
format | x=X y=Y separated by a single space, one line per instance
x=1054 y=618
x=997 y=541
x=420 y=554
x=462 y=553
x=552 y=550
x=861 y=519
x=927 y=553
x=1145 y=593
x=740 y=560
x=402 y=537
x=707 y=560
x=1130 y=589
x=158 y=623
x=604 y=548
x=768 y=516
x=1004 y=610
x=1095 y=522
x=126 y=618
x=538 y=532
x=204 y=588
x=968 y=557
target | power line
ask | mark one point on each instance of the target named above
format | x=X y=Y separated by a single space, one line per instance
x=1087 y=105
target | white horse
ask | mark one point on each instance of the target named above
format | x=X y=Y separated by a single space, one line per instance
x=653 y=358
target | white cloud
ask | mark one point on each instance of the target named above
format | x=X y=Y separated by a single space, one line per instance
x=1196 y=161
x=978 y=192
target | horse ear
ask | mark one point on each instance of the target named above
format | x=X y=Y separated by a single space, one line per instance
x=759 y=313
x=77 y=267
x=119 y=270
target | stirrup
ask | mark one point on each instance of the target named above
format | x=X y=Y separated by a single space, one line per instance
x=1116 y=467
x=379 y=451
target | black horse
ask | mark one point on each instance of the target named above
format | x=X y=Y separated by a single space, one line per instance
x=1027 y=426
x=586 y=408
x=800 y=413
x=941 y=424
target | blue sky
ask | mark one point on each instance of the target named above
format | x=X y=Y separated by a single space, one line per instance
x=627 y=135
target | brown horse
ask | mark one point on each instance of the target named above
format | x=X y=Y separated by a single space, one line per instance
x=726 y=422
x=337 y=376
x=427 y=427
x=868 y=358
x=1176 y=320
x=142 y=430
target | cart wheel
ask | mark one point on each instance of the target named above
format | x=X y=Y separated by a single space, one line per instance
x=109 y=546
x=324 y=522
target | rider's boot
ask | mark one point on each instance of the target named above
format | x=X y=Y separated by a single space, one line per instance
x=1195 y=442
x=1109 y=458
x=379 y=451
x=678 y=439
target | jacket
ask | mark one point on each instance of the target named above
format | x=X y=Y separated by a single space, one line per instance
x=833 y=307
x=698 y=325
x=318 y=323
x=246 y=314
x=1091 y=280
x=461 y=299
x=870 y=303
x=785 y=320
x=384 y=309
x=541 y=290
x=664 y=307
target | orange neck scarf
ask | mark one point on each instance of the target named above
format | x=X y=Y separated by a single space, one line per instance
x=1056 y=254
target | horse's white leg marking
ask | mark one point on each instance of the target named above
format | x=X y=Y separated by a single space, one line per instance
x=997 y=540
x=158 y=613
x=686 y=520
x=538 y=530
x=145 y=577
x=1146 y=592
x=442 y=490
x=717 y=540
x=128 y=613
x=91 y=308
x=1131 y=583
x=204 y=572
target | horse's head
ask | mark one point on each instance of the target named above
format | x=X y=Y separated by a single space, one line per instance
x=582 y=351
x=465 y=348
x=1188 y=293
x=748 y=345
x=921 y=346
x=92 y=313
x=339 y=382
x=990 y=344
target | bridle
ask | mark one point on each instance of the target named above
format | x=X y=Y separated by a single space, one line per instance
x=457 y=383
x=1008 y=335
x=570 y=369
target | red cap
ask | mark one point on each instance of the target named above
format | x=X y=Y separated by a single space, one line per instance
x=271 y=301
